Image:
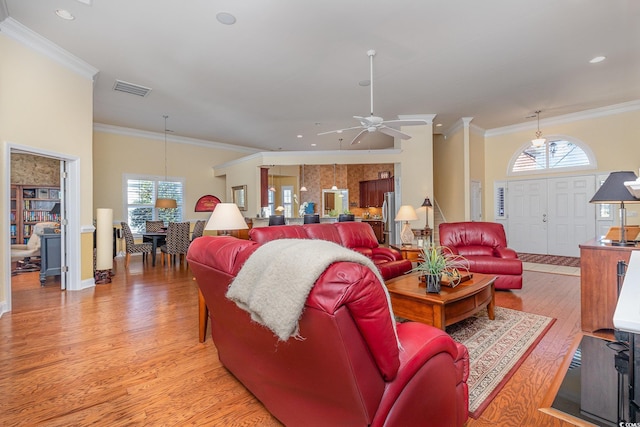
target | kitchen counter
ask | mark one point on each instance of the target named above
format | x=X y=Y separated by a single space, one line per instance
x=264 y=222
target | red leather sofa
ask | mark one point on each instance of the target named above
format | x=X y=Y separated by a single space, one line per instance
x=484 y=244
x=348 y=370
x=358 y=236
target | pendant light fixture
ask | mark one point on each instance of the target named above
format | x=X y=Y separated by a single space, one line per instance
x=303 y=188
x=538 y=141
x=334 y=187
x=164 y=202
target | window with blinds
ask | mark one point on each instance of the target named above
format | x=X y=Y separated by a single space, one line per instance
x=140 y=197
x=556 y=154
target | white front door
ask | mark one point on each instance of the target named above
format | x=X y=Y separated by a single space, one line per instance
x=571 y=218
x=527 y=216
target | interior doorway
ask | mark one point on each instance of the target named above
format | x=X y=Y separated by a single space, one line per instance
x=68 y=196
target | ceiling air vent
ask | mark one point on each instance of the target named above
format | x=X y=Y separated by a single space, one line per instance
x=131 y=88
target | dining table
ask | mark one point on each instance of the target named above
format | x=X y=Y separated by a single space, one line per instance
x=158 y=238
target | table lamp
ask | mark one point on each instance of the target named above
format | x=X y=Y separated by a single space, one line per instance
x=225 y=217
x=613 y=190
x=427 y=204
x=406 y=213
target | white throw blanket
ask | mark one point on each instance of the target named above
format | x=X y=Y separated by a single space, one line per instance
x=275 y=281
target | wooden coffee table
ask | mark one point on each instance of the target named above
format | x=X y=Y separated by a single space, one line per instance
x=410 y=300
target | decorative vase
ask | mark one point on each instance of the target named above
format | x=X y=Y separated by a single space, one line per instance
x=433 y=283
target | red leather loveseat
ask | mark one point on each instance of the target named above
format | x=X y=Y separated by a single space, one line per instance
x=357 y=236
x=348 y=369
x=484 y=244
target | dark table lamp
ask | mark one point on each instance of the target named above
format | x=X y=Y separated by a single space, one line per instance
x=427 y=204
x=613 y=190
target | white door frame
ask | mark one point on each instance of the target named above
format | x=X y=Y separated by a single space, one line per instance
x=73 y=218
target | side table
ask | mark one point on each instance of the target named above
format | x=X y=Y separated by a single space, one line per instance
x=412 y=253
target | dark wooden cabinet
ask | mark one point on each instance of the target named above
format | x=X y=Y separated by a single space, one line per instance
x=378 y=229
x=372 y=192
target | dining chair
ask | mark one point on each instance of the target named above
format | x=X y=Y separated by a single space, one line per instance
x=132 y=247
x=177 y=241
x=152 y=227
x=198 y=229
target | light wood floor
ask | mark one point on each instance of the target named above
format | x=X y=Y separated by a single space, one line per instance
x=127 y=353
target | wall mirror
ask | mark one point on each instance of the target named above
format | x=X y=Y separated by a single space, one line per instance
x=335 y=202
x=240 y=196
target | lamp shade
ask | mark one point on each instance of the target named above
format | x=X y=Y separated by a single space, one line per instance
x=427 y=203
x=226 y=216
x=406 y=213
x=613 y=189
x=166 y=203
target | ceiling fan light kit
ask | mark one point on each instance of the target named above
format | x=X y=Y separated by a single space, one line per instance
x=373 y=123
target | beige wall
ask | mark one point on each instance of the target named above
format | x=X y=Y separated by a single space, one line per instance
x=614 y=140
x=115 y=155
x=32 y=114
x=449 y=178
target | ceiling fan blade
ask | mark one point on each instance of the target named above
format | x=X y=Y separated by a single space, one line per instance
x=339 y=130
x=402 y=122
x=393 y=132
x=359 y=136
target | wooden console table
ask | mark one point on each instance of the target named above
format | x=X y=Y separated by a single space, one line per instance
x=598 y=283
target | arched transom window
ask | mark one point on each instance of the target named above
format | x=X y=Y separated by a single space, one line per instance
x=557 y=154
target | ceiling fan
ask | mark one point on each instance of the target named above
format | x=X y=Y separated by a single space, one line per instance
x=374 y=123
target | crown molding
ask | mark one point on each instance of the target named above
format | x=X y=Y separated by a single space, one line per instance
x=35 y=41
x=136 y=133
x=567 y=118
x=459 y=125
x=270 y=157
x=427 y=117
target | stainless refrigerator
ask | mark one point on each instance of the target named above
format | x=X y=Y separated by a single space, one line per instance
x=391 y=231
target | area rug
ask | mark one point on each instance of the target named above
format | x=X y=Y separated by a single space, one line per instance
x=496 y=349
x=567 y=261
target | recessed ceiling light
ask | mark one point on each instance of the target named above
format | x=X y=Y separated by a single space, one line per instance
x=299 y=136
x=597 y=59
x=364 y=82
x=314 y=144
x=226 y=18
x=65 y=14
x=438 y=125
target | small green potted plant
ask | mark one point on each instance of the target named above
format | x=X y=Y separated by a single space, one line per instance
x=439 y=261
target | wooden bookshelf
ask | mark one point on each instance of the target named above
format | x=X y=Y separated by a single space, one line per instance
x=31 y=204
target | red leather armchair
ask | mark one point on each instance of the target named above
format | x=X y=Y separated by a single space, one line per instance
x=484 y=244
x=348 y=369
x=357 y=236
